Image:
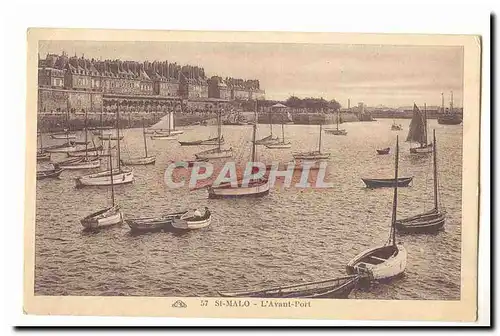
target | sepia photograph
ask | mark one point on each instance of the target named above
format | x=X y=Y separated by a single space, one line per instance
x=233 y=176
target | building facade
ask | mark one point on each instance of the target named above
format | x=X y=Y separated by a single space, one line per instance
x=79 y=84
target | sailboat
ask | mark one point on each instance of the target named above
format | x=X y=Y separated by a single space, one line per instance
x=270 y=139
x=281 y=144
x=219 y=140
x=168 y=134
x=313 y=155
x=66 y=134
x=167 y=123
x=389 y=260
x=218 y=152
x=41 y=155
x=257 y=188
x=430 y=221
x=396 y=127
x=118 y=176
x=84 y=162
x=141 y=160
x=336 y=131
x=418 y=132
x=108 y=216
x=449 y=118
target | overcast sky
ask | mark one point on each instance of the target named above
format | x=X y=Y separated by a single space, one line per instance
x=374 y=74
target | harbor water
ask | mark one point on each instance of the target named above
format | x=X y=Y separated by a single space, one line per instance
x=289 y=236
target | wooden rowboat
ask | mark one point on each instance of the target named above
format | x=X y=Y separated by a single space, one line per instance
x=103 y=218
x=384 y=151
x=42 y=157
x=386 y=261
x=333 y=288
x=189 y=222
x=51 y=173
x=153 y=224
x=387 y=183
x=139 y=161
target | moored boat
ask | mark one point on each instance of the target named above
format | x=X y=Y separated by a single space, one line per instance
x=336 y=131
x=418 y=132
x=189 y=222
x=62 y=148
x=386 y=261
x=256 y=188
x=49 y=173
x=387 y=182
x=430 y=221
x=109 y=177
x=110 y=137
x=103 y=218
x=146 y=160
x=313 y=155
x=280 y=144
x=153 y=224
x=337 y=288
x=449 y=118
x=63 y=136
x=79 y=163
x=384 y=151
x=42 y=157
x=108 y=216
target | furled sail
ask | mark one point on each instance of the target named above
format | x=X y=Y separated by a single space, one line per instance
x=417 y=132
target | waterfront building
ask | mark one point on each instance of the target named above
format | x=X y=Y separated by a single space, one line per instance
x=83 y=85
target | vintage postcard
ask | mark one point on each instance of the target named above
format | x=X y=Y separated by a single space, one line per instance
x=244 y=174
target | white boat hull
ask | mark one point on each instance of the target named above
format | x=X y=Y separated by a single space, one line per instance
x=250 y=191
x=140 y=161
x=61 y=149
x=279 y=146
x=183 y=224
x=164 y=137
x=225 y=153
x=105 y=220
x=336 y=131
x=386 y=269
x=421 y=150
x=63 y=136
x=311 y=156
x=81 y=165
x=104 y=179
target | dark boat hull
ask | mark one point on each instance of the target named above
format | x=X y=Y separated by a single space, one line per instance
x=387 y=183
x=339 y=289
x=429 y=222
x=54 y=173
x=383 y=151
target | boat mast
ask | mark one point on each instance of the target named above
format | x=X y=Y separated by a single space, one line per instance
x=219 y=127
x=86 y=146
x=144 y=136
x=41 y=142
x=320 y=131
x=451 y=103
x=338 y=116
x=67 y=121
x=118 y=134
x=442 y=102
x=435 y=171
x=283 y=130
x=253 y=142
x=271 y=121
x=111 y=174
x=395 y=200
x=425 y=124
